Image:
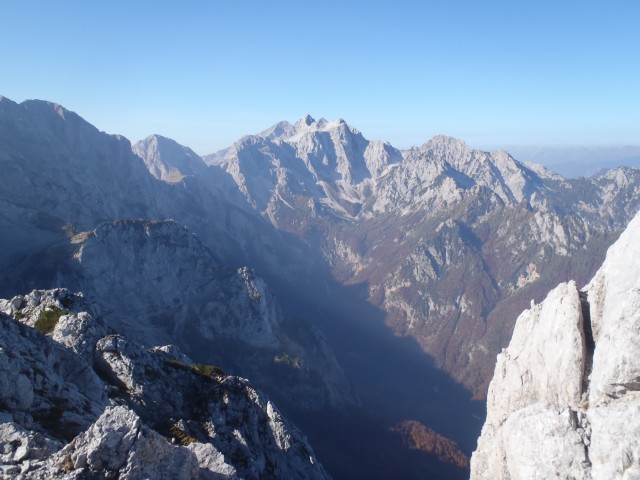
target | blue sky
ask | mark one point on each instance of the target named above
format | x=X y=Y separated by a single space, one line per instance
x=493 y=73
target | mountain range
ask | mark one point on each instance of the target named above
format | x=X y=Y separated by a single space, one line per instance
x=361 y=286
x=427 y=230
x=573 y=162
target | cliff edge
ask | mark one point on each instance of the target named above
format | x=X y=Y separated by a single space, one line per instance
x=564 y=401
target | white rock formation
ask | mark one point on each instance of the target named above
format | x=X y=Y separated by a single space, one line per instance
x=564 y=401
x=327 y=161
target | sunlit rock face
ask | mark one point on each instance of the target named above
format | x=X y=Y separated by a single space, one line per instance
x=564 y=400
x=451 y=242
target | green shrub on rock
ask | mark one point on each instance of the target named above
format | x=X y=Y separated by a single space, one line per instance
x=48 y=319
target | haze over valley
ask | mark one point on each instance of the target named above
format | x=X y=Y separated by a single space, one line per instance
x=349 y=280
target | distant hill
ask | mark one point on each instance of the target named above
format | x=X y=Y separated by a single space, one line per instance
x=572 y=162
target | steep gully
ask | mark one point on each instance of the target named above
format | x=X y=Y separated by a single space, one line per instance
x=589 y=350
x=590 y=344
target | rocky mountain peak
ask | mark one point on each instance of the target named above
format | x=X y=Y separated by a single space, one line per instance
x=279 y=131
x=304 y=121
x=326 y=161
x=44 y=107
x=6 y=102
x=622 y=176
x=445 y=146
x=510 y=180
x=75 y=174
x=156 y=139
x=50 y=120
x=308 y=125
x=167 y=160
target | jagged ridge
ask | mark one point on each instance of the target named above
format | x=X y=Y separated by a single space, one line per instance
x=86 y=402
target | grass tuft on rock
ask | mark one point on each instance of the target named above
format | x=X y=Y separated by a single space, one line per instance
x=201 y=369
x=48 y=319
x=206 y=370
x=181 y=436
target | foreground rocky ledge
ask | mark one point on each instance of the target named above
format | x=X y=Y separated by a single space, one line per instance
x=79 y=401
x=564 y=401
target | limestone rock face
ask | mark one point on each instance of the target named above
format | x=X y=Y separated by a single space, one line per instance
x=314 y=166
x=451 y=241
x=79 y=401
x=157 y=284
x=167 y=160
x=614 y=393
x=119 y=443
x=544 y=361
x=564 y=400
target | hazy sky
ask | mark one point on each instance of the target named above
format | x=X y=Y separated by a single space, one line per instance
x=202 y=72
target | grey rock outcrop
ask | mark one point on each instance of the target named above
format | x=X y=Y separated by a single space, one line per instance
x=79 y=400
x=167 y=160
x=157 y=283
x=565 y=396
x=60 y=170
